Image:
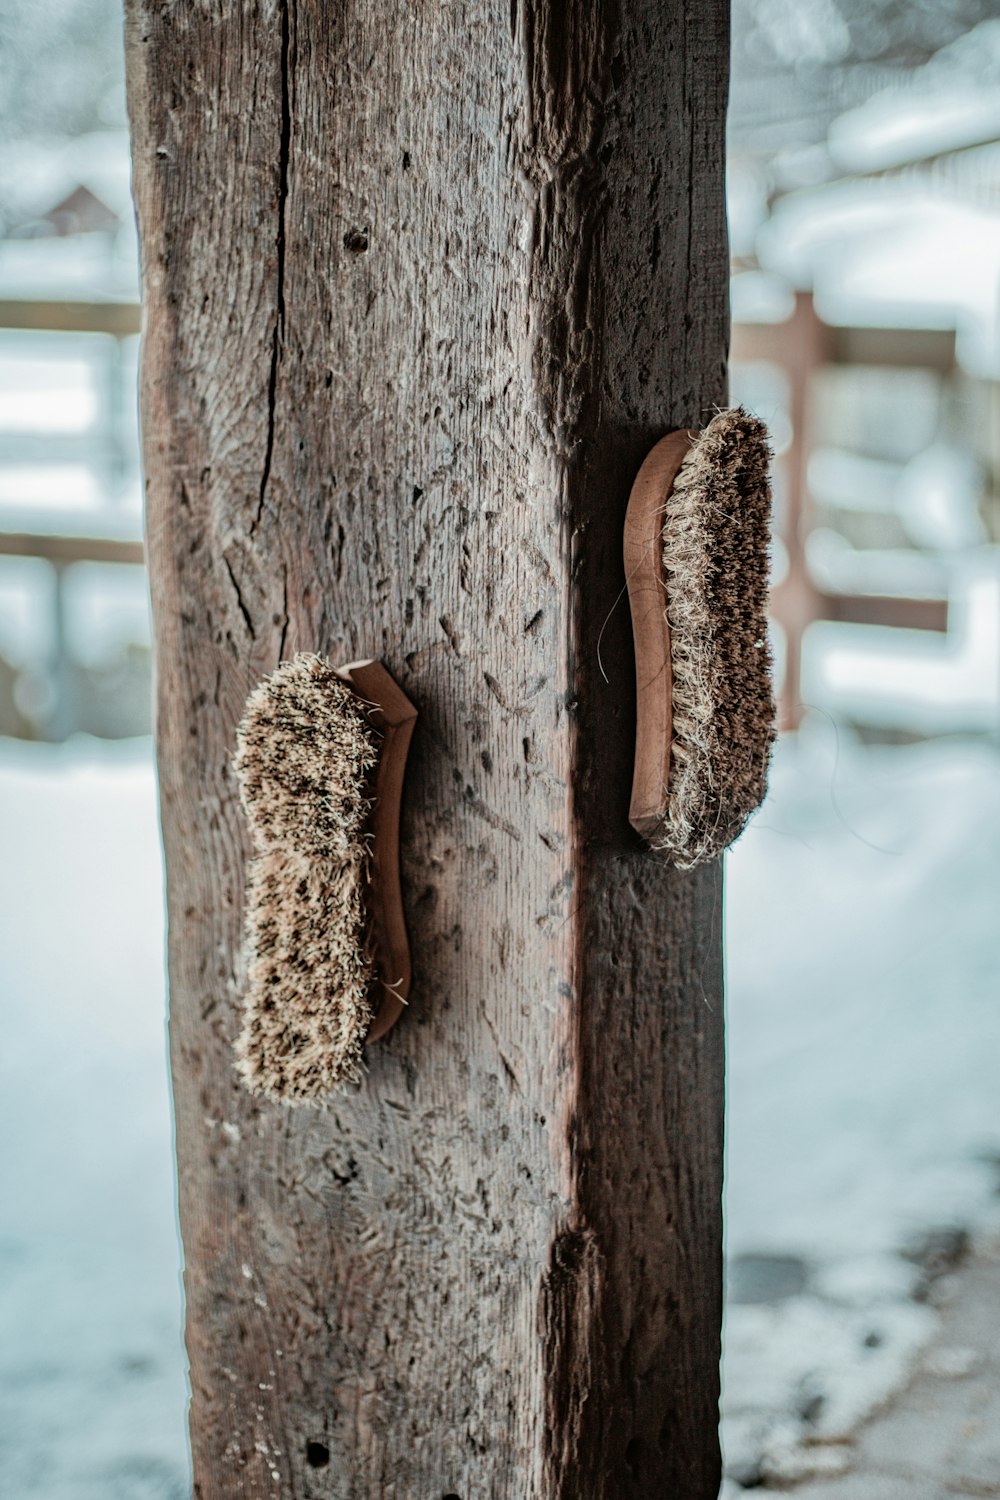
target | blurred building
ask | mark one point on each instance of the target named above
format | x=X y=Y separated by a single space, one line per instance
x=864 y=195
x=74 y=628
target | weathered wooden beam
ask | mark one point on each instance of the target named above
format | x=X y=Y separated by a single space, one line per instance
x=885 y=609
x=119 y=319
x=885 y=348
x=70 y=549
x=422 y=286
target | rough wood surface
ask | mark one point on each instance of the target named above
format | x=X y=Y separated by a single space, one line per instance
x=422 y=287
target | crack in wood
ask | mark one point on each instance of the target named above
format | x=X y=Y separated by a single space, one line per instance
x=284 y=605
x=278 y=334
x=241 y=604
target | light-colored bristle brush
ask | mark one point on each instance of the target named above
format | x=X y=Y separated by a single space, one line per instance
x=320 y=757
x=697 y=535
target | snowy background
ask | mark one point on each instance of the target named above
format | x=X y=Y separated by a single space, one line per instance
x=92 y=1380
x=863 y=1044
x=864 y=1034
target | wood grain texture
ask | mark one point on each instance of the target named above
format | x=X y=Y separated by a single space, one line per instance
x=422 y=287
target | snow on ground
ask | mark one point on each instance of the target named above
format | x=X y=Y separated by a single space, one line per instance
x=864 y=1038
x=863 y=1045
x=92 y=1376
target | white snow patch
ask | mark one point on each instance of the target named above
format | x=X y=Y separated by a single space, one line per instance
x=92 y=1375
x=864 y=1037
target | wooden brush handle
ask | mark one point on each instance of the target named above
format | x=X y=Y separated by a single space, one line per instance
x=647 y=597
x=394 y=716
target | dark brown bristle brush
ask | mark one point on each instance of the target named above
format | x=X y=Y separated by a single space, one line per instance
x=697 y=534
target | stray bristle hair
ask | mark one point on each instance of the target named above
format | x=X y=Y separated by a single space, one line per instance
x=716 y=529
x=304 y=753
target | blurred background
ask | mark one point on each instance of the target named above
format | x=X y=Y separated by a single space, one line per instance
x=862 y=947
x=864 y=1135
x=92 y=1373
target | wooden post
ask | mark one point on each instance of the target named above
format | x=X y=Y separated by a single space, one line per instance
x=422 y=286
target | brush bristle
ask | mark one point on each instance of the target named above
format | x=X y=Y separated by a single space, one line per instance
x=304 y=752
x=716 y=530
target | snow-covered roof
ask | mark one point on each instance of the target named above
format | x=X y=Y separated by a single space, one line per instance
x=896 y=128
x=893 y=255
x=36 y=177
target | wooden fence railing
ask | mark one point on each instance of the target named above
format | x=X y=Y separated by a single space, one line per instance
x=802 y=346
x=117 y=320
